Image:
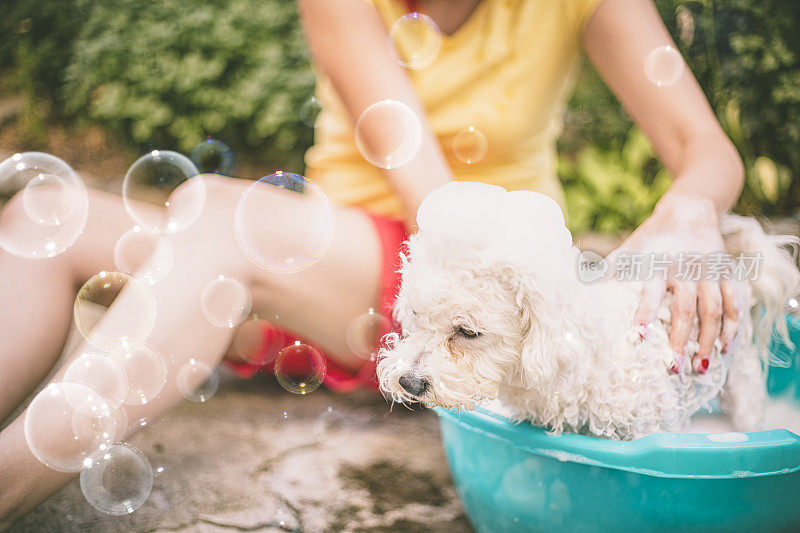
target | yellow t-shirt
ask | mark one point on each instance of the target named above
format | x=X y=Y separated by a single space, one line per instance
x=506 y=72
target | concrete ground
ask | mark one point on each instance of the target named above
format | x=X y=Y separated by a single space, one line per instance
x=257 y=458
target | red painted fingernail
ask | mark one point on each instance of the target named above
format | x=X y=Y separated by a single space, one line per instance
x=677 y=363
x=701 y=366
x=642 y=330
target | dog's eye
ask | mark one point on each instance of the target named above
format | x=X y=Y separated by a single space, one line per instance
x=468 y=333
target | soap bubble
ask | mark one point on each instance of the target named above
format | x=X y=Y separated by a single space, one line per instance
x=51 y=199
x=284 y=223
x=792 y=305
x=147 y=254
x=141 y=423
x=159 y=194
x=100 y=373
x=309 y=111
x=97 y=295
x=213 y=157
x=414 y=40
x=145 y=370
x=61 y=432
x=388 y=134
x=225 y=302
x=470 y=145
x=300 y=368
x=197 y=381
x=249 y=341
x=332 y=427
x=364 y=332
x=283 y=518
x=116 y=480
x=47 y=199
x=663 y=66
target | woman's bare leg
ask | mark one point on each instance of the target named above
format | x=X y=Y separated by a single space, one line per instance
x=32 y=333
x=38 y=295
x=317 y=303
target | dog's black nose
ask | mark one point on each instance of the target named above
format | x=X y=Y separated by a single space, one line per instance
x=413 y=384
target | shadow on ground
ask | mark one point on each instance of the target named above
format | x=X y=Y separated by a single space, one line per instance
x=257 y=458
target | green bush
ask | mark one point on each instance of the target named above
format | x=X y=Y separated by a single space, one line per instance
x=36 y=43
x=608 y=190
x=35 y=49
x=171 y=73
x=746 y=56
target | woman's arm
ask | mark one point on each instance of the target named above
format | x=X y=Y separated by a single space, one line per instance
x=676 y=118
x=349 y=45
x=707 y=170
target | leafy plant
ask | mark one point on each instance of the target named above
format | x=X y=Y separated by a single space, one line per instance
x=171 y=73
x=609 y=190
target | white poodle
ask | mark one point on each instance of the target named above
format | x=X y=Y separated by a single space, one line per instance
x=491 y=307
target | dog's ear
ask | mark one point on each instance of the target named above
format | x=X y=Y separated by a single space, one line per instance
x=538 y=364
x=550 y=324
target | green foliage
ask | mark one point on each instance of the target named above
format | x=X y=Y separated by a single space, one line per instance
x=608 y=190
x=34 y=51
x=171 y=73
x=35 y=43
x=746 y=56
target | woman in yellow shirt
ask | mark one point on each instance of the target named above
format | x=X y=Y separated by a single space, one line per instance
x=504 y=68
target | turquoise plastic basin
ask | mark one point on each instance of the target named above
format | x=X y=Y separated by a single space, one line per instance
x=518 y=478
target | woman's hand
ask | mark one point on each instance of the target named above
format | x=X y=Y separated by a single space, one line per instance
x=684 y=225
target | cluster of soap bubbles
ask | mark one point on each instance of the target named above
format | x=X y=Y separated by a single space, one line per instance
x=388 y=134
x=72 y=426
x=78 y=424
x=283 y=223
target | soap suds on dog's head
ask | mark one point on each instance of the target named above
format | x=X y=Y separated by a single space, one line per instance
x=497 y=222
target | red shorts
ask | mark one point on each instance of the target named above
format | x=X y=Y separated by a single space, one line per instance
x=391 y=234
